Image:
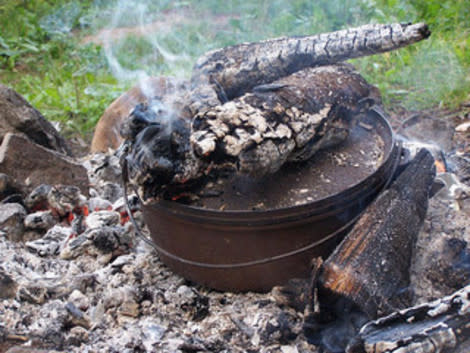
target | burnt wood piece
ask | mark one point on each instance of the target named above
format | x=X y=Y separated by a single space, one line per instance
x=232 y=71
x=439 y=326
x=370 y=267
x=287 y=120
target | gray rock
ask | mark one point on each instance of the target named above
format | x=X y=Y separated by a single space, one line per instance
x=18 y=116
x=11 y=220
x=32 y=165
x=40 y=220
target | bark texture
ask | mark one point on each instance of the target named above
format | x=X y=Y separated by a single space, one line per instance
x=439 y=326
x=230 y=72
x=287 y=120
x=252 y=107
x=371 y=265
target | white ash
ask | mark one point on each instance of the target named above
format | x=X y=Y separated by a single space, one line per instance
x=104 y=290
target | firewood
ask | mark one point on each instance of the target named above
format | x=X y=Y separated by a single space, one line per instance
x=230 y=72
x=371 y=265
x=250 y=108
x=367 y=275
x=287 y=120
x=439 y=326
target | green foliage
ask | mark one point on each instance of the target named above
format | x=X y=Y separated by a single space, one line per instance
x=43 y=56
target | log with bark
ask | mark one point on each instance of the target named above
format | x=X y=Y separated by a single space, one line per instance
x=230 y=72
x=250 y=108
x=368 y=273
x=440 y=326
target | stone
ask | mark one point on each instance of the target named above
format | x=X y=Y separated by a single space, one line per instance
x=8 y=286
x=11 y=220
x=18 y=116
x=40 y=220
x=32 y=165
x=77 y=336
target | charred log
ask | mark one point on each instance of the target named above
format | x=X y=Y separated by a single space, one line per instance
x=230 y=72
x=369 y=271
x=440 y=326
x=287 y=120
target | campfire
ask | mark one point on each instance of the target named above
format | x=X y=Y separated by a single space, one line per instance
x=289 y=213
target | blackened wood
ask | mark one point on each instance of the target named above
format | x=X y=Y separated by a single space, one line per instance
x=440 y=326
x=287 y=120
x=234 y=70
x=371 y=265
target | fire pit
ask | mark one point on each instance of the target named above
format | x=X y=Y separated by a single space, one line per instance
x=257 y=236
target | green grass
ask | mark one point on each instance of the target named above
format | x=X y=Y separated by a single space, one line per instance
x=43 y=58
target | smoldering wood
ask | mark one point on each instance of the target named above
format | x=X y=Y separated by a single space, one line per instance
x=371 y=265
x=232 y=71
x=287 y=120
x=439 y=326
x=255 y=106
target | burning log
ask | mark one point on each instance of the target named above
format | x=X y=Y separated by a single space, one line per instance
x=369 y=271
x=287 y=120
x=235 y=70
x=440 y=326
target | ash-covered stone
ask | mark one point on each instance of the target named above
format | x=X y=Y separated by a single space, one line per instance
x=40 y=220
x=12 y=216
x=80 y=300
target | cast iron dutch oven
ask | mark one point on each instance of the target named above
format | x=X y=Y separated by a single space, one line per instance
x=244 y=249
